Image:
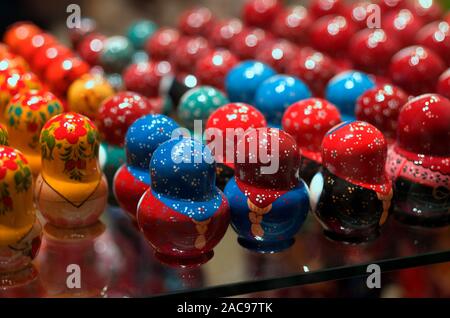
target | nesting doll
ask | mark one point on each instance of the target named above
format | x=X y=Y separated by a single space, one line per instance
x=276 y=94
x=243 y=80
x=380 y=107
x=115 y=115
x=20 y=230
x=147 y=78
x=90 y=48
x=25 y=116
x=260 y=13
x=223 y=129
x=196 y=21
x=13 y=82
x=71 y=190
x=197 y=104
x=19 y=33
x=162 y=44
x=308 y=121
x=314 y=68
x=351 y=197
x=183 y=215
x=419 y=162
x=188 y=51
x=268 y=200
x=141 y=140
x=212 y=68
x=86 y=94
x=140 y=31
x=416 y=69
x=62 y=72
x=344 y=89
x=10 y=61
x=116 y=54
x=223 y=32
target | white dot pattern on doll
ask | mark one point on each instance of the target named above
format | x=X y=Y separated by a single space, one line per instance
x=345 y=147
x=199 y=103
x=399 y=166
x=144 y=135
x=307 y=121
x=380 y=106
x=191 y=208
x=185 y=186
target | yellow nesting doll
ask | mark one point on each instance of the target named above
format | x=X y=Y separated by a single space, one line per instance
x=20 y=230
x=71 y=190
x=87 y=93
x=25 y=116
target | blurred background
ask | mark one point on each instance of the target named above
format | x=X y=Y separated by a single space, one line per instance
x=113 y=16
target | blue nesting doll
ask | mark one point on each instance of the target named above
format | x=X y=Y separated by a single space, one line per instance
x=142 y=138
x=344 y=89
x=276 y=94
x=243 y=80
x=183 y=215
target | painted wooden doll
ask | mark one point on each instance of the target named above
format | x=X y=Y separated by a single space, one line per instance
x=268 y=200
x=183 y=215
x=71 y=190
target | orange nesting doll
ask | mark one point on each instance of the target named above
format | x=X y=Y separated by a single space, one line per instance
x=71 y=190
x=86 y=94
x=20 y=230
x=25 y=116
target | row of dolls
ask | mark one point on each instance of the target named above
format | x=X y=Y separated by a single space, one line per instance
x=350 y=193
x=168 y=184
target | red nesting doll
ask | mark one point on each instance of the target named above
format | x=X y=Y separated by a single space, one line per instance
x=419 y=162
x=352 y=196
x=308 y=121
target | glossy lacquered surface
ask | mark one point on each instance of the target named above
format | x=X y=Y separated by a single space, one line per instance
x=308 y=121
x=127 y=106
x=71 y=190
x=416 y=69
x=24 y=117
x=198 y=103
x=293 y=23
x=344 y=89
x=145 y=77
x=133 y=178
x=276 y=94
x=380 y=107
x=352 y=223
x=243 y=80
x=212 y=68
x=418 y=161
x=182 y=222
x=352 y=195
x=314 y=68
x=267 y=209
x=20 y=229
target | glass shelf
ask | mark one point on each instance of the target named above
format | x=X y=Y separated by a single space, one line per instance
x=115 y=261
